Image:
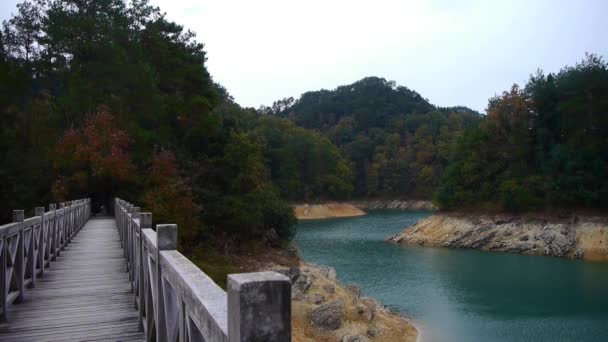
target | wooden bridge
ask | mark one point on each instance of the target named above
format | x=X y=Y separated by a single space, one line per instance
x=67 y=276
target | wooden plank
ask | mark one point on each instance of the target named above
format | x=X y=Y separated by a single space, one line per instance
x=84 y=296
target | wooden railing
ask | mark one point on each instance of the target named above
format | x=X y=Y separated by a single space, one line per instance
x=27 y=246
x=178 y=302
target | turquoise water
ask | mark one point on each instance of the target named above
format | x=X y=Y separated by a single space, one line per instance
x=462 y=295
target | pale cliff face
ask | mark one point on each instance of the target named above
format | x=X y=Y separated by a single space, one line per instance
x=356 y=208
x=328 y=210
x=574 y=237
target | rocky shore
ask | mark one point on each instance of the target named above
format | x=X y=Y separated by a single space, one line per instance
x=570 y=236
x=324 y=310
x=413 y=205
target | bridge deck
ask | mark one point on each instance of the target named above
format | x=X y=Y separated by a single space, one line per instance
x=84 y=296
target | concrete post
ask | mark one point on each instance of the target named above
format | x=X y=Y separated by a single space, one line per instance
x=145 y=221
x=131 y=245
x=61 y=228
x=52 y=233
x=259 y=307
x=37 y=257
x=39 y=211
x=166 y=239
x=19 y=216
x=3 y=289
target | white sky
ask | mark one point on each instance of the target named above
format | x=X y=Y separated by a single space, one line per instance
x=451 y=52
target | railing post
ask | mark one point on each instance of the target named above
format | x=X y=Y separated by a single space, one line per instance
x=166 y=239
x=70 y=221
x=259 y=307
x=131 y=246
x=145 y=221
x=3 y=285
x=39 y=211
x=53 y=234
x=61 y=228
x=19 y=216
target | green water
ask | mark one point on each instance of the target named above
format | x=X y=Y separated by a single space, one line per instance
x=462 y=295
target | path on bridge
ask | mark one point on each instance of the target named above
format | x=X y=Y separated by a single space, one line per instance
x=84 y=296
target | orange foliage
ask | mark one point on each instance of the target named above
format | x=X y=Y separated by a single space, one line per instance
x=170 y=198
x=95 y=155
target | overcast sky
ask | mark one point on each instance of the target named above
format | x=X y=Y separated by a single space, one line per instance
x=451 y=52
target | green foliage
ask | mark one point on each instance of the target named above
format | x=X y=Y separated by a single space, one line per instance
x=161 y=117
x=396 y=143
x=304 y=164
x=543 y=146
x=169 y=196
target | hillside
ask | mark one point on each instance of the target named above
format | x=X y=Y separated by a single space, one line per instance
x=541 y=146
x=397 y=143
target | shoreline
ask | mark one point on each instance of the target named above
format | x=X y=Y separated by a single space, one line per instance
x=574 y=237
x=324 y=309
x=327 y=210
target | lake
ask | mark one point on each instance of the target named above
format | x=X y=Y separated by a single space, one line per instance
x=462 y=295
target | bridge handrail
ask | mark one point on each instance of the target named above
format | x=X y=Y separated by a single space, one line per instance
x=175 y=298
x=27 y=246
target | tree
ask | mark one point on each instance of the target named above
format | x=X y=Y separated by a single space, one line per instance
x=94 y=159
x=169 y=196
x=541 y=147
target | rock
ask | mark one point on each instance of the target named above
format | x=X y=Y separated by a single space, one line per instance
x=524 y=238
x=579 y=253
x=497 y=245
x=272 y=238
x=327 y=316
x=293 y=273
x=297 y=296
x=303 y=282
x=367 y=312
x=354 y=338
x=300 y=286
x=373 y=332
x=354 y=289
x=329 y=288
x=326 y=271
x=317 y=299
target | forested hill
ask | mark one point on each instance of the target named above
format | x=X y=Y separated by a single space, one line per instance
x=542 y=146
x=371 y=102
x=398 y=143
x=110 y=98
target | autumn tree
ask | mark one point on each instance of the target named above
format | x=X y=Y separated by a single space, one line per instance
x=543 y=146
x=169 y=196
x=94 y=159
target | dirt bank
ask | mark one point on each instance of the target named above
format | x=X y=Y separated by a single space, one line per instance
x=326 y=210
x=356 y=208
x=572 y=236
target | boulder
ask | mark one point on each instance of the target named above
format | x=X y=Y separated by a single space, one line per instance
x=302 y=284
x=373 y=332
x=329 y=288
x=327 y=316
x=293 y=273
x=326 y=271
x=317 y=299
x=354 y=338
x=354 y=289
